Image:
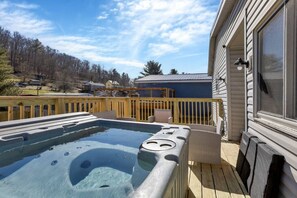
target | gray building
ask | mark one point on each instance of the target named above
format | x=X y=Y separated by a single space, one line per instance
x=90 y=87
x=261 y=97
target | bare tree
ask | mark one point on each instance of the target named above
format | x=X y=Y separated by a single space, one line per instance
x=30 y=58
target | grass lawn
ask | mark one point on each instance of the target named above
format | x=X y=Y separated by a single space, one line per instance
x=34 y=91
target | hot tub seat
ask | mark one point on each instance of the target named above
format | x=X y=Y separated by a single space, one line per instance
x=113 y=159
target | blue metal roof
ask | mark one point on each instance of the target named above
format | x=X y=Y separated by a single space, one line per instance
x=195 y=77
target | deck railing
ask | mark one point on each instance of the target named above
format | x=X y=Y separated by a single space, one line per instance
x=184 y=110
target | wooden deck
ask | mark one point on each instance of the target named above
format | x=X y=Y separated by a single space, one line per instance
x=206 y=180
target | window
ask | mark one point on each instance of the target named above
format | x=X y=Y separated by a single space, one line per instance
x=276 y=65
x=271 y=65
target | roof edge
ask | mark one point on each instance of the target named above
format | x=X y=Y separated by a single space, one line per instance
x=173 y=81
x=222 y=3
x=223 y=13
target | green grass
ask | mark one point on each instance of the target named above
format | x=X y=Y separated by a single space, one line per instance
x=34 y=92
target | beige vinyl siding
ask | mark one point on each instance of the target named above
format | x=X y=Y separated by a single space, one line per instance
x=286 y=145
x=220 y=61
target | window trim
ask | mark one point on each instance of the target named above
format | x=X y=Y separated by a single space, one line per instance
x=279 y=124
x=290 y=57
x=295 y=58
x=282 y=122
x=256 y=36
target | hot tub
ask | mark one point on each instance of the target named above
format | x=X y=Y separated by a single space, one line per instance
x=79 y=155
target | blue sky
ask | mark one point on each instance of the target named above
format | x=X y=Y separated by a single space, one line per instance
x=121 y=34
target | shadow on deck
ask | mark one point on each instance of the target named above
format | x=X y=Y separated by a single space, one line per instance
x=208 y=180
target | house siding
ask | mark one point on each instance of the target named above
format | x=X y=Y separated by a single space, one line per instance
x=253 y=11
x=286 y=145
x=220 y=67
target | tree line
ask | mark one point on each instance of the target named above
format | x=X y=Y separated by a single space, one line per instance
x=30 y=58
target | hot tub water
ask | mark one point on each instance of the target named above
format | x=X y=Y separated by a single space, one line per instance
x=101 y=163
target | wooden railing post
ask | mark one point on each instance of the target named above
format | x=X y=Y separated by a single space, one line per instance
x=176 y=111
x=101 y=105
x=127 y=108
x=21 y=106
x=32 y=111
x=41 y=108
x=59 y=106
x=85 y=105
x=49 y=109
x=69 y=107
x=105 y=104
x=137 y=109
x=75 y=107
x=115 y=106
x=80 y=106
x=10 y=113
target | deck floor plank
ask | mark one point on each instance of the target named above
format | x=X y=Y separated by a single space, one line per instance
x=232 y=183
x=207 y=181
x=219 y=181
x=241 y=183
x=195 y=182
x=220 y=184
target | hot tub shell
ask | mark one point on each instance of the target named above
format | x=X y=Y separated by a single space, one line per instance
x=167 y=148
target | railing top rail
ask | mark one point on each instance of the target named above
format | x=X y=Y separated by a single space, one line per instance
x=183 y=99
x=57 y=97
x=185 y=110
x=114 y=98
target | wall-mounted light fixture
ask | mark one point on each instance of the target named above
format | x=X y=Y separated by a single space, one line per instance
x=221 y=79
x=240 y=63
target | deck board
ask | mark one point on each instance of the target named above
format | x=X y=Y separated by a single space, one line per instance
x=207 y=181
x=220 y=184
x=195 y=182
x=218 y=181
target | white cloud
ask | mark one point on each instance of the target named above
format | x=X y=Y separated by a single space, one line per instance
x=114 y=60
x=142 y=29
x=73 y=45
x=161 y=49
x=188 y=55
x=120 y=6
x=164 y=27
x=4 y=5
x=103 y=16
x=82 y=47
x=114 y=10
x=173 y=22
x=26 y=6
x=16 y=17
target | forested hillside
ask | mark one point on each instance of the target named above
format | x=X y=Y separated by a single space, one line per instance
x=30 y=58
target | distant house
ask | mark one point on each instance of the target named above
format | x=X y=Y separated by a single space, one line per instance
x=34 y=82
x=90 y=87
x=196 y=85
x=112 y=84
